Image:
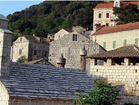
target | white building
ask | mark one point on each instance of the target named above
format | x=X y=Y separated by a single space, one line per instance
x=103 y=13
x=117 y=36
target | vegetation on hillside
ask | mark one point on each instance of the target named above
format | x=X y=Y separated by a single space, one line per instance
x=126 y=14
x=51 y=16
x=103 y=94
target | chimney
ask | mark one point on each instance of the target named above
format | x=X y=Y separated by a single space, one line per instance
x=116 y=3
x=61 y=61
x=5 y=48
x=82 y=58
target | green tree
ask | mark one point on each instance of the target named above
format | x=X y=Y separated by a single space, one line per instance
x=103 y=94
x=22 y=59
x=51 y=16
x=126 y=14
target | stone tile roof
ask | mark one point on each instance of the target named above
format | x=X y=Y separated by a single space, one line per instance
x=40 y=60
x=125 y=51
x=43 y=81
x=36 y=39
x=111 y=5
x=117 y=28
x=2 y=17
x=6 y=30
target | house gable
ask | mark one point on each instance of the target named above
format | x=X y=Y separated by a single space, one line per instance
x=60 y=34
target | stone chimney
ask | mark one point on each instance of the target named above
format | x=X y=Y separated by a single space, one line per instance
x=61 y=61
x=82 y=58
x=5 y=48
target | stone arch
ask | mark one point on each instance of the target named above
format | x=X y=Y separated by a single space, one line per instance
x=4 y=97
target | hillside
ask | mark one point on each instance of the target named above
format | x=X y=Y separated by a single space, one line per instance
x=50 y=16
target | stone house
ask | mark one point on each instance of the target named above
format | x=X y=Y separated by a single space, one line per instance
x=103 y=13
x=27 y=84
x=61 y=33
x=120 y=67
x=113 y=37
x=32 y=47
x=70 y=46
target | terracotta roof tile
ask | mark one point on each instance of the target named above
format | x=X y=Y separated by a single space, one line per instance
x=117 y=28
x=105 y=5
x=125 y=51
x=110 y=5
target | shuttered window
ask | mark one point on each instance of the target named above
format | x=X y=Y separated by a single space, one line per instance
x=114 y=44
x=136 y=41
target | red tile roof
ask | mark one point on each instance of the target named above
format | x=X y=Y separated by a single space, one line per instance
x=105 y=5
x=110 y=5
x=117 y=28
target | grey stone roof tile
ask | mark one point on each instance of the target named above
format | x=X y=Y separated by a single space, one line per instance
x=43 y=81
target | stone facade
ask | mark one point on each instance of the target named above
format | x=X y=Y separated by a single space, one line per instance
x=4 y=97
x=71 y=47
x=60 y=34
x=32 y=47
x=22 y=101
x=3 y=22
x=120 y=75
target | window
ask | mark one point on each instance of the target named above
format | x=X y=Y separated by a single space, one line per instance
x=20 y=39
x=107 y=24
x=114 y=44
x=125 y=42
x=104 y=45
x=41 y=40
x=99 y=15
x=35 y=52
x=107 y=15
x=74 y=38
x=45 y=53
x=20 y=51
x=136 y=41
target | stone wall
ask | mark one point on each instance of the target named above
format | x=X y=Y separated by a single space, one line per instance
x=128 y=76
x=29 y=101
x=18 y=45
x=25 y=47
x=60 y=34
x=71 y=50
x=4 y=97
x=5 y=45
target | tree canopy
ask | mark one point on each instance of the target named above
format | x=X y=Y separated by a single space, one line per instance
x=103 y=94
x=51 y=16
x=126 y=14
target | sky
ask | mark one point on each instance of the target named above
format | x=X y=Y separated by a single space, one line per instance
x=10 y=6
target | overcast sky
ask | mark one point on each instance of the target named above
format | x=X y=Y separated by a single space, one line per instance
x=10 y=6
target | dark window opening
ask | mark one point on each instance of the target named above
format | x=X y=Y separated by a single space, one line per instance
x=35 y=52
x=74 y=38
x=20 y=51
x=99 y=15
x=107 y=15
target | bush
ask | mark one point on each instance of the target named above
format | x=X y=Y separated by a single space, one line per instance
x=103 y=94
x=22 y=59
